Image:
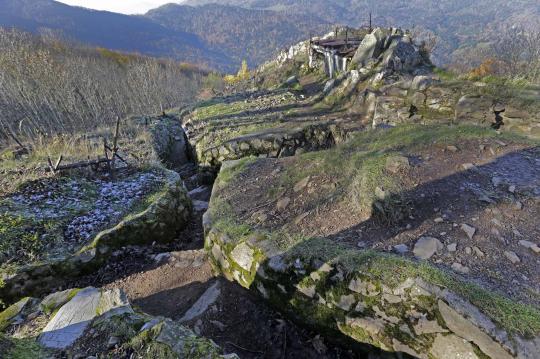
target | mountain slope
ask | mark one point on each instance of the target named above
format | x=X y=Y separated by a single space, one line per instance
x=242 y=33
x=106 y=29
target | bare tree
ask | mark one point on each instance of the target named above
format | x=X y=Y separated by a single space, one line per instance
x=50 y=87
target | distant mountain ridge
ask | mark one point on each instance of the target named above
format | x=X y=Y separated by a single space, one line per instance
x=250 y=34
x=458 y=23
x=221 y=35
x=110 y=30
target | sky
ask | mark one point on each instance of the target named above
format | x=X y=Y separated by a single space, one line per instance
x=121 y=6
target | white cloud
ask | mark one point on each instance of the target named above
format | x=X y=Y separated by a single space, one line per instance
x=121 y=6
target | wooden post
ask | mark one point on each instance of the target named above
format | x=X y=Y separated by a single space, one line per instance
x=106 y=150
x=115 y=144
x=58 y=162
x=370 y=28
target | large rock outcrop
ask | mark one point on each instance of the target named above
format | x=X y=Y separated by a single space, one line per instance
x=292 y=244
x=389 y=50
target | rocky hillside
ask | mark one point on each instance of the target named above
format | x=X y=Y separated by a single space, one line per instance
x=390 y=211
x=108 y=30
x=392 y=206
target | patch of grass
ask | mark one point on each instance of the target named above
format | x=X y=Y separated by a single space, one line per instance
x=22 y=348
x=233 y=169
x=444 y=74
x=220 y=109
x=21 y=238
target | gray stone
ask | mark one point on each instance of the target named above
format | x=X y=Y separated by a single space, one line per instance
x=346 y=302
x=370 y=47
x=75 y=316
x=200 y=206
x=202 y=304
x=474 y=109
x=477 y=251
x=425 y=326
x=283 y=203
x=291 y=81
x=401 y=248
x=201 y=193
x=452 y=347
x=403 y=348
x=452 y=247
x=113 y=342
x=426 y=247
x=12 y=312
x=242 y=254
x=301 y=184
x=308 y=291
x=329 y=85
x=469 y=230
x=182 y=340
x=530 y=245
x=162 y=258
x=394 y=164
x=371 y=325
x=512 y=257
x=460 y=268
x=220 y=257
x=277 y=264
x=421 y=83
x=363 y=287
x=465 y=329
x=401 y=55
x=55 y=300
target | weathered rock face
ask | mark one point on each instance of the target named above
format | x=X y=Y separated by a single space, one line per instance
x=278 y=143
x=73 y=318
x=168 y=140
x=402 y=55
x=370 y=48
x=65 y=319
x=413 y=316
x=389 y=50
x=475 y=109
x=159 y=222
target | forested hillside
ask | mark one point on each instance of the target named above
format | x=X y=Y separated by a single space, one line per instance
x=107 y=29
x=459 y=25
x=221 y=35
x=255 y=35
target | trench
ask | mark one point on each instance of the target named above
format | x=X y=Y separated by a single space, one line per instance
x=239 y=320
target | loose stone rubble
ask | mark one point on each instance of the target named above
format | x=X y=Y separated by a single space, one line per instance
x=69 y=321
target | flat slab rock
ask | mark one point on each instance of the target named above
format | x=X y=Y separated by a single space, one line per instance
x=74 y=317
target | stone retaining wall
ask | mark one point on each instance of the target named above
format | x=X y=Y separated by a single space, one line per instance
x=277 y=143
x=410 y=315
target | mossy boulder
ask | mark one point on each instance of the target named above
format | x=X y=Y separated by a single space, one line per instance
x=157 y=219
